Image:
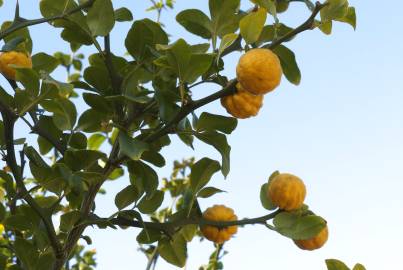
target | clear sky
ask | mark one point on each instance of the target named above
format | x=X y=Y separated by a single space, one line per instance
x=341 y=131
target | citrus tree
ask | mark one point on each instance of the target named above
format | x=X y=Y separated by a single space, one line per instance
x=134 y=104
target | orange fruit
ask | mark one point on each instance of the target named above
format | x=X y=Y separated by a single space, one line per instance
x=259 y=71
x=219 y=213
x=19 y=59
x=287 y=191
x=314 y=243
x=242 y=104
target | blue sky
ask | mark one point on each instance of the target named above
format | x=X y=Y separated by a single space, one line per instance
x=340 y=130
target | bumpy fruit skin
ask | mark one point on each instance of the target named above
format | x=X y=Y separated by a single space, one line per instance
x=13 y=58
x=287 y=191
x=219 y=213
x=314 y=243
x=259 y=71
x=242 y=104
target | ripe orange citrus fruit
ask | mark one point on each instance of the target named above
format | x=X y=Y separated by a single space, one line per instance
x=242 y=104
x=314 y=243
x=219 y=213
x=287 y=191
x=259 y=71
x=19 y=59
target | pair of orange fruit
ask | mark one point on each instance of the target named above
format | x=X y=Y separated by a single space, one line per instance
x=258 y=73
x=286 y=191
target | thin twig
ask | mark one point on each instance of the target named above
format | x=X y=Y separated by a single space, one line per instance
x=21 y=23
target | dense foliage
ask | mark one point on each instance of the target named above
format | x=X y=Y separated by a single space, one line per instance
x=135 y=104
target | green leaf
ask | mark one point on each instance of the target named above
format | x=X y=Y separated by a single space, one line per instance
x=208 y=192
x=97 y=102
x=26 y=252
x=326 y=27
x=82 y=159
x=45 y=261
x=95 y=141
x=173 y=250
x=268 y=33
x=252 y=25
x=201 y=173
x=333 y=264
x=131 y=147
x=150 y=205
x=143 y=35
x=154 y=158
x=198 y=65
x=44 y=62
x=12 y=44
x=68 y=220
x=115 y=174
x=126 y=197
x=75 y=28
x=64 y=112
x=98 y=77
x=334 y=9
x=78 y=140
x=123 y=15
x=100 y=18
x=143 y=175
x=178 y=57
x=18 y=222
x=297 y=227
x=226 y=41
x=148 y=236
x=196 y=22
x=6 y=98
x=265 y=199
x=359 y=266
x=92 y=121
x=219 y=142
x=35 y=157
x=23 y=33
x=349 y=18
x=288 y=64
x=212 y=122
x=224 y=17
x=29 y=79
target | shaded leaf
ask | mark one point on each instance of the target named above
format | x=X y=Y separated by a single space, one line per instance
x=333 y=264
x=201 y=173
x=126 y=197
x=288 y=64
x=196 y=22
x=173 y=251
x=100 y=18
x=298 y=227
x=212 y=122
x=208 y=192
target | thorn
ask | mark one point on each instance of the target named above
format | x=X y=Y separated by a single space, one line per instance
x=17 y=11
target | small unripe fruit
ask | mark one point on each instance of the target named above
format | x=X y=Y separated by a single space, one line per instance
x=19 y=59
x=287 y=191
x=314 y=243
x=219 y=213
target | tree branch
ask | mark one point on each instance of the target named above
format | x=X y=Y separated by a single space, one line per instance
x=307 y=25
x=168 y=227
x=190 y=107
x=21 y=23
x=9 y=119
x=39 y=130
